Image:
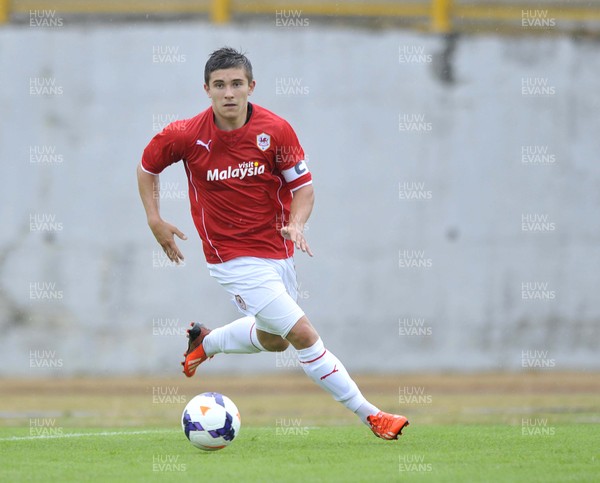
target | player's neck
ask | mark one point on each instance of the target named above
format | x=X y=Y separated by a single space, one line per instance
x=232 y=124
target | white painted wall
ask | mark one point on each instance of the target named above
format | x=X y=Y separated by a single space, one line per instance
x=352 y=90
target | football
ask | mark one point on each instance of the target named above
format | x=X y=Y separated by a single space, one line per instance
x=211 y=421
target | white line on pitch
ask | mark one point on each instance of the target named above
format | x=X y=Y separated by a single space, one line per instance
x=82 y=435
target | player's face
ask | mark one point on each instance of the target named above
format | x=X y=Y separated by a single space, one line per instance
x=228 y=90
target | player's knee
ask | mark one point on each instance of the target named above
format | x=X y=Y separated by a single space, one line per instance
x=278 y=345
x=303 y=334
x=272 y=342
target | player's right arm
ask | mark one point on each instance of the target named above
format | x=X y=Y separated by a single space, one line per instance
x=164 y=150
x=149 y=187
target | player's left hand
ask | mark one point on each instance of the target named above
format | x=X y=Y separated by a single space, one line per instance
x=294 y=234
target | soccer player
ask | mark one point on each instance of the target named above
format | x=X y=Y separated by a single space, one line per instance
x=251 y=194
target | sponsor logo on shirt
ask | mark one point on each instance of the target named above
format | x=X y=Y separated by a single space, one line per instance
x=244 y=170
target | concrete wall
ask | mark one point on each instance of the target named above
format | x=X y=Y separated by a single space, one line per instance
x=424 y=178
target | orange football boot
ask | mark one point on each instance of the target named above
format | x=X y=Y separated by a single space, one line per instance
x=195 y=355
x=387 y=426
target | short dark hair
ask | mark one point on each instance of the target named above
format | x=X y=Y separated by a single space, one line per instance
x=227 y=58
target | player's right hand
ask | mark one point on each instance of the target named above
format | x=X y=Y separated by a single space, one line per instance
x=164 y=233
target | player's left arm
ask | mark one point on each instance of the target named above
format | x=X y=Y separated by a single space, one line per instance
x=300 y=210
x=298 y=179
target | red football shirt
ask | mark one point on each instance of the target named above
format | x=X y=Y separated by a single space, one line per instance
x=240 y=182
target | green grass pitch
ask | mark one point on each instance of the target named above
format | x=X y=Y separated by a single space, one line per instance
x=325 y=454
x=530 y=427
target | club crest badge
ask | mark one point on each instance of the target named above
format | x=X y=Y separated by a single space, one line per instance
x=240 y=301
x=263 y=141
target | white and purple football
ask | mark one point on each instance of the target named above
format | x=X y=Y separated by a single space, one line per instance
x=211 y=421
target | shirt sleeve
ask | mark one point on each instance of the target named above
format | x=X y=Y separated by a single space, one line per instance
x=290 y=159
x=164 y=149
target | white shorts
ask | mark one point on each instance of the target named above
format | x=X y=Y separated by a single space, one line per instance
x=264 y=288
